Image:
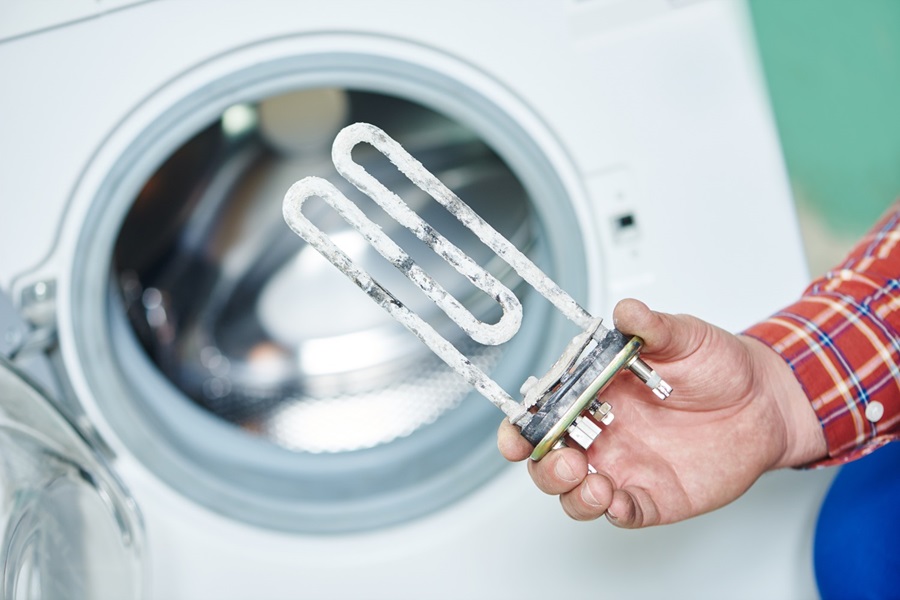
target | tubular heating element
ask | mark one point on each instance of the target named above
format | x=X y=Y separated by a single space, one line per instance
x=564 y=401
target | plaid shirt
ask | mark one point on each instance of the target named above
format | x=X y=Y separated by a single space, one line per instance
x=842 y=340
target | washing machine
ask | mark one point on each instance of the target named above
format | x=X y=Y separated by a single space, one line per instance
x=194 y=405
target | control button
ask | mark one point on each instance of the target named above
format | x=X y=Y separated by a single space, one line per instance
x=874 y=411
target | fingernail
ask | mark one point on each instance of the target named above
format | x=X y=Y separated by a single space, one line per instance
x=564 y=471
x=587 y=494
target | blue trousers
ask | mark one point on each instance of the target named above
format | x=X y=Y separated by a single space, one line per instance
x=857 y=542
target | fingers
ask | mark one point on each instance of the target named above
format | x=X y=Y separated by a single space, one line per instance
x=586 y=497
x=560 y=471
x=632 y=508
x=590 y=499
x=597 y=496
x=583 y=497
x=635 y=318
x=511 y=444
x=665 y=336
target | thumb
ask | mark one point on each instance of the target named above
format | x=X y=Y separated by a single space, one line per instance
x=666 y=337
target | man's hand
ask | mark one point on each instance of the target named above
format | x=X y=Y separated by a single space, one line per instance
x=736 y=412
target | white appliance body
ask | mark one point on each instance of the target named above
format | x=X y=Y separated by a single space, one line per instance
x=644 y=108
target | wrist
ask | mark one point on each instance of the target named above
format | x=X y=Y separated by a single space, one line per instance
x=803 y=440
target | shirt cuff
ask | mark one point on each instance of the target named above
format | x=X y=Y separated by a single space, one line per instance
x=846 y=359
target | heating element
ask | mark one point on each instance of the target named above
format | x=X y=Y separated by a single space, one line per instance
x=563 y=402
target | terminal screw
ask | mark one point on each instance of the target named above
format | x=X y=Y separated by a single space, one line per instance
x=650 y=377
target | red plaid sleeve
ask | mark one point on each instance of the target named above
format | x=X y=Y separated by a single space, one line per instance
x=842 y=340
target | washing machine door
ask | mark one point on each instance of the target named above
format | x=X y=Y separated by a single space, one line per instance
x=243 y=370
x=68 y=528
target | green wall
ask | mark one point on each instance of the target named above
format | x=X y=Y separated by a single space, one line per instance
x=833 y=70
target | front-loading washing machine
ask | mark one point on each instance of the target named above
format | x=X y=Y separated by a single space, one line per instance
x=194 y=405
